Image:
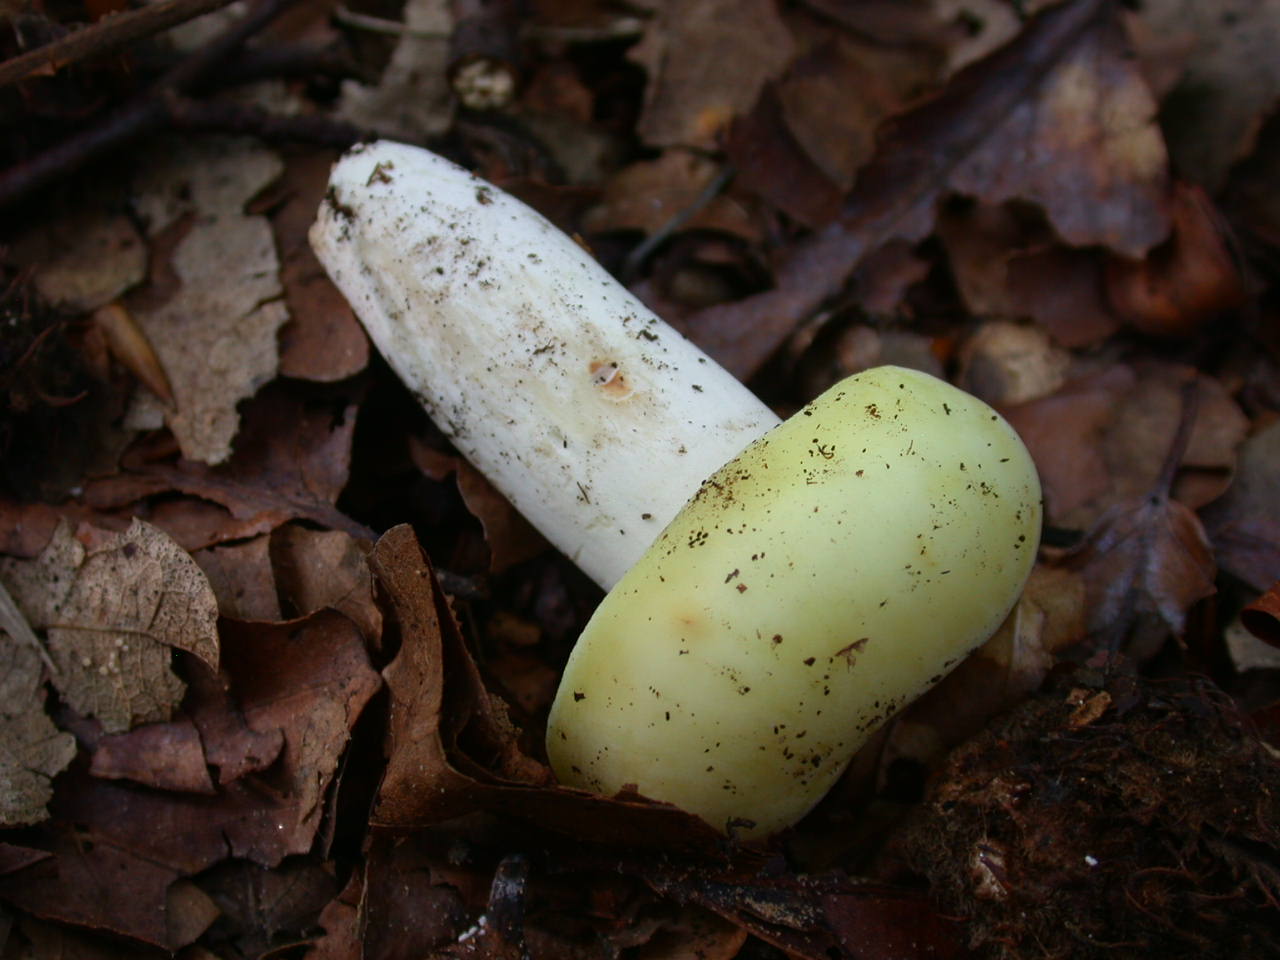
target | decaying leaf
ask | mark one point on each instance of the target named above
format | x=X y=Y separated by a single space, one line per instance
x=32 y=749
x=1245 y=522
x=1144 y=563
x=1001 y=129
x=707 y=62
x=114 y=608
x=84 y=261
x=214 y=327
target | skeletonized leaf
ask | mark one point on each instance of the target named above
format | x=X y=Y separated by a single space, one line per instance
x=113 y=609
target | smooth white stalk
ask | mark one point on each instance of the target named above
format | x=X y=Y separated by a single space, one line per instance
x=593 y=417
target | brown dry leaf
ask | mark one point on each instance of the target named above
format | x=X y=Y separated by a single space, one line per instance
x=441 y=717
x=511 y=538
x=167 y=756
x=1184 y=283
x=1146 y=419
x=1007 y=268
x=1013 y=125
x=1144 y=564
x=32 y=749
x=323 y=340
x=340 y=920
x=215 y=328
x=707 y=61
x=84 y=260
x=314 y=569
x=291 y=461
x=1262 y=617
x=1245 y=523
x=114 y=606
x=773 y=165
x=240 y=576
x=647 y=195
x=231 y=745
x=1086 y=148
x=1063 y=433
x=265 y=912
x=1231 y=78
x=815 y=917
x=834 y=97
x=311 y=679
x=1007 y=363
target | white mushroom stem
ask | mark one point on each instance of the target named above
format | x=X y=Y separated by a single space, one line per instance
x=592 y=416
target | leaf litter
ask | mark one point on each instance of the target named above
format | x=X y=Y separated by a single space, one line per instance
x=344 y=642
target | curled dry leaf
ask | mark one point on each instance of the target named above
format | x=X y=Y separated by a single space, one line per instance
x=440 y=713
x=1144 y=563
x=32 y=749
x=114 y=606
x=1262 y=617
x=1185 y=282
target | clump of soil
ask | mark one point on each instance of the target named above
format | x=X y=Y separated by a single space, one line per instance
x=1109 y=816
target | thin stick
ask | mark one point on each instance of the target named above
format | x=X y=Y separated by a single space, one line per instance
x=104 y=36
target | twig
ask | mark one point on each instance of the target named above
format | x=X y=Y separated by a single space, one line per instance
x=144 y=112
x=227 y=117
x=103 y=37
x=636 y=258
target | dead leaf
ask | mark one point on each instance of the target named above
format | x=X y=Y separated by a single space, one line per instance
x=32 y=749
x=114 y=606
x=340 y=919
x=1010 y=126
x=1144 y=563
x=649 y=194
x=311 y=679
x=291 y=462
x=1185 y=282
x=85 y=260
x=1262 y=617
x=707 y=61
x=510 y=537
x=1245 y=523
x=1006 y=364
x=1062 y=433
x=233 y=747
x=440 y=711
x=1230 y=81
x=215 y=332
x=265 y=912
x=772 y=164
x=241 y=578
x=314 y=569
x=167 y=756
x=322 y=341
x=834 y=97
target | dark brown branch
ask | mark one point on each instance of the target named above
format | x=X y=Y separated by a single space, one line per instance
x=140 y=114
x=227 y=117
x=103 y=37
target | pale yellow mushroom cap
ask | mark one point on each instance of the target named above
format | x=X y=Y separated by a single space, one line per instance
x=829 y=574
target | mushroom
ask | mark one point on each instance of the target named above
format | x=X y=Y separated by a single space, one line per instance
x=821 y=574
